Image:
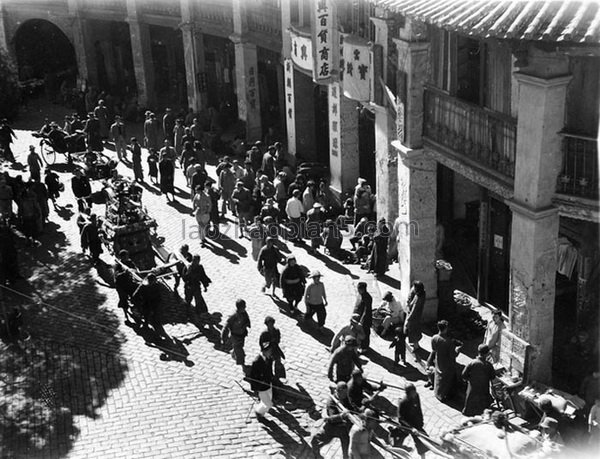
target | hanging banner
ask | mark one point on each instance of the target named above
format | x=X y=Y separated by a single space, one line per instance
x=290 y=111
x=357 y=69
x=302 y=50
x=323 y=41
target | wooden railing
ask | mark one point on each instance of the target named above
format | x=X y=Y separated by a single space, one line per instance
x=482 y=135
x=161 y=8
x=579 y=172
x=266 y=21
x=217 y=13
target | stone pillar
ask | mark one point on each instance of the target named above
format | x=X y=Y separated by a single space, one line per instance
x=535 y=221
x=83 y=45
x=382 y=37
x=417 y=195
x=247 y=90
x=412 y=62
x=246 y=71
x=193 y=51
x=343 y=145
x=143 y=65
x=386 y=164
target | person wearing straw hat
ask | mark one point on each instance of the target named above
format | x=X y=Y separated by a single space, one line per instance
x=315 y=299
x=314 y=223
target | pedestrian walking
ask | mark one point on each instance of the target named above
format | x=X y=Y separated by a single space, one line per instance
x=34 y=162
x=194 y=278
x=410 y=415
x=261 y=378
x=202 y=206
x=364 y=308
x=314 y=224
x=344 y=360
x=292 y=283
x=315 y=299
x=272 y=335
x=29 y=214
x=294 y=210
x=101 y=113
x=153 y=165
x=149 y=297
x=136 y=159
x=478 y=374
x=336 y=421
x=178 y=133
x=353 y=329
x=91 y=238
x=242 y=199
x=236 y=330
x=226 y=185
x=257 y=235
x=125 y=286
x=379 y=252
x=443 y=358
x=92 y=131
x=82 y=190
x=416 y=304
x=151 y=132
x=168 y=124
x=119 y=136
x=185 y=258
x=166 y=166
x=6 y=138
x=53 y=185
x=268 y=258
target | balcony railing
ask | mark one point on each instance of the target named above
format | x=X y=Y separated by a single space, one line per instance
x=579 y=172
x=266 y=20
x=217 y=13
x=479 y=134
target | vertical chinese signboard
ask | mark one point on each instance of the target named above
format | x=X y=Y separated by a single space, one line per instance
x=323 y=41
x=290 y=111
x=335 y=138
x=357 y=69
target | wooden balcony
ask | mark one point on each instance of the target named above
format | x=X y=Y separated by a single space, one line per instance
x=475 y=133
x=265 y=19
x=579 y=172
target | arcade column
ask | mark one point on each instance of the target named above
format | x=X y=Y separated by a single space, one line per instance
x=535 y=221
x=143 y=65
x=84 y=46
x=386 y=163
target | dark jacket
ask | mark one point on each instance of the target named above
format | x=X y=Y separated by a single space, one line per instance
x=81 y=187
x=364 y=307
x=261 y=374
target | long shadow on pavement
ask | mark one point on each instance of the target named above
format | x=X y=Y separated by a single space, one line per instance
x=408 y=372
x=333 y=265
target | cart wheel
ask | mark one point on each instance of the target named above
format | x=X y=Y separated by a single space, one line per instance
x=47 y=152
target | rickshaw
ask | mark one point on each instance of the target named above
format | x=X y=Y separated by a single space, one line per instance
x=51 y=144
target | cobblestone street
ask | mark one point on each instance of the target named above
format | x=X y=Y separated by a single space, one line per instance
x=120 y=396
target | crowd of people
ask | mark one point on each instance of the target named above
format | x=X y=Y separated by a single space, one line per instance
x=270 y=204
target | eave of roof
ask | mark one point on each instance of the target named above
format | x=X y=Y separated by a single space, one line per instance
x=555 y=21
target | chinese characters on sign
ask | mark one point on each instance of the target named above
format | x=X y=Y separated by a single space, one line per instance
x=357 y=68
x=290 y=114
x=302 y=51
x=252 y=88
x=323 y=41
x=334 y=119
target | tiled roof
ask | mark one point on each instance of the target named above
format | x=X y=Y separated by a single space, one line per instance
x=573 y=21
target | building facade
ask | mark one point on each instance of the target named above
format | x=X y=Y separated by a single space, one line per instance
x=475 y=122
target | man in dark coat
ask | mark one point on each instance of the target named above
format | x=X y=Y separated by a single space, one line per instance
x=344 y=360
x=6 y=137
x=236 y=330
x=92 y=130
x=272 y=335
x=90 y=238
x=194 y=279
x=336 y=421
x=168 y=123
x=478 y=373
x=364 y=308
x=410 y=415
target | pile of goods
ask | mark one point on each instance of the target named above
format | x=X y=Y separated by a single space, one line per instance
x=127 y=224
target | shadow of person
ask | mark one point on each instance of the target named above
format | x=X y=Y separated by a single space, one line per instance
x=222 y=252
x=334 y=265
x=154 y=189
x=408 y=372
x=389 y=281
x=180 y=207
x=323 y=336
x=228 y=243
x=182 y=193
x=280 y=435
x=285 y=417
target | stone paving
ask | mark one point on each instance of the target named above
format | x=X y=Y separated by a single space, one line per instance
x=123 y=397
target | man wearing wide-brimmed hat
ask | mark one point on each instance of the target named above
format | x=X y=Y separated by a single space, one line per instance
x=315 y=299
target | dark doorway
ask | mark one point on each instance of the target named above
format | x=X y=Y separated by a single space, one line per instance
x=169 y=66
x=366 y=146
x=43 y=49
